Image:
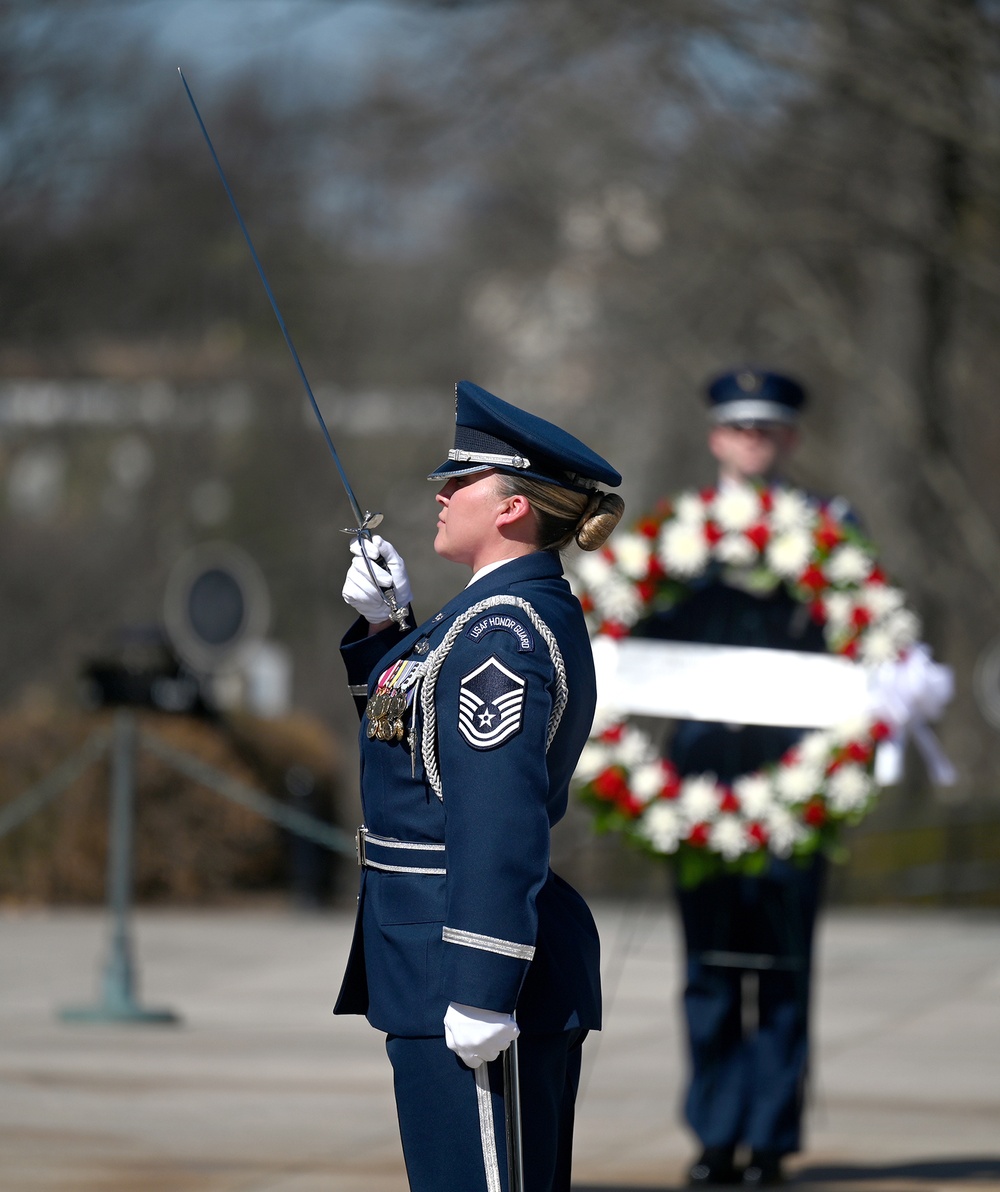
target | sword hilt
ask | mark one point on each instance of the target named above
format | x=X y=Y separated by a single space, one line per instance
x=364 y=530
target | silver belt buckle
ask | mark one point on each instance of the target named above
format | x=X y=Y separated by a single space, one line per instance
x=359 y=845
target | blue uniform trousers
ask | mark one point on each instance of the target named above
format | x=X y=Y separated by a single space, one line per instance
x=749 y=959
x=451 y=1118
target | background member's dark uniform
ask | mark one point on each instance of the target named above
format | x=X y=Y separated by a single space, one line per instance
x=746 y=1085
x=748 y=940
x=457 y=902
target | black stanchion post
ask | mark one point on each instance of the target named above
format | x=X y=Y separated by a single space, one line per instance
x=118 y=1003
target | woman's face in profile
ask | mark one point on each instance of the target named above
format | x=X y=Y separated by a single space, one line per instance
x=468 y=507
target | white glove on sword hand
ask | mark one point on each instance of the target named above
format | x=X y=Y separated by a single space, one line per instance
x=478 y=1036
x=363 y=595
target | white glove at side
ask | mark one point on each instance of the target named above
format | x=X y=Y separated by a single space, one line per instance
x=359 y=591
x=477 y=1036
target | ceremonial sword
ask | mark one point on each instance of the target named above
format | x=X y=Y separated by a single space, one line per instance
x=364 y=523
x=512 y=1119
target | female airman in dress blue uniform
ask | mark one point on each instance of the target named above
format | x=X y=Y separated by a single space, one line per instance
x=472 y=725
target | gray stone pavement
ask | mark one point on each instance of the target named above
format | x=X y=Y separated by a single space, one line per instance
x=260 y=1089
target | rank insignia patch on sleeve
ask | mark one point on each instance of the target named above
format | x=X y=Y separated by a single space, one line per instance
x=490 y=705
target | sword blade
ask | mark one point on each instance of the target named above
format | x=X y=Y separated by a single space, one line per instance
x=274 y=306
x=363 y=522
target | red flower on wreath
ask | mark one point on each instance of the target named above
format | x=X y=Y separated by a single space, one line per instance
x=813 y=579
x=758 y=834
x=698 y=836
x=828 y=533
x=814 y=813
x=759 y=535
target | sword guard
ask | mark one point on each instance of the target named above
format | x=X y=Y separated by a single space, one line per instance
x=369 y=522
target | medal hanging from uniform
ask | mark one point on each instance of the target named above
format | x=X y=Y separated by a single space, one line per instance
x=389 y=701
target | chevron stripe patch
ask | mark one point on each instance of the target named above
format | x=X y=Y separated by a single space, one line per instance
x=490 y=705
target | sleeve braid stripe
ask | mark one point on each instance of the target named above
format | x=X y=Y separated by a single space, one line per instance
x=488 y=943
x=435 y=660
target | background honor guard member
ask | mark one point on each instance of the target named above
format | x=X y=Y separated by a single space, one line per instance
x=748 y=939
x=471 y=727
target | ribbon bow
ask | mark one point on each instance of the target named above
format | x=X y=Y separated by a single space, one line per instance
x=908 y=695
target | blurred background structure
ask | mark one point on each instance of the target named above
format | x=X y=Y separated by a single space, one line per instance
x=586 y=207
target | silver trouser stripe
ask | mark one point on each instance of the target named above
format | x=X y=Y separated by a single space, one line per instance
x=400 y=856
x=487 y=1130
x=370 y=864
x=487 y=943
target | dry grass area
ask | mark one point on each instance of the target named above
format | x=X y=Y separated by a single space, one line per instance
x=191 y=845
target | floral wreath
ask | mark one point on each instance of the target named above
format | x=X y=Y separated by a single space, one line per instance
x=759 y=538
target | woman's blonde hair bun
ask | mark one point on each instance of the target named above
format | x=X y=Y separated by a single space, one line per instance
x=604 y=512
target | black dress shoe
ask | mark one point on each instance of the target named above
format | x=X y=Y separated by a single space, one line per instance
x=763 y=1170
x=715 y=1166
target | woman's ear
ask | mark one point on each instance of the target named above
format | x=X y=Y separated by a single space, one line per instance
x=513 y=509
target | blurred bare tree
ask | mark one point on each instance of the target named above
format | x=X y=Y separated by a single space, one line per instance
x=588 y=207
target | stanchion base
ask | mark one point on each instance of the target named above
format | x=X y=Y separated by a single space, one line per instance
x=123 y=1013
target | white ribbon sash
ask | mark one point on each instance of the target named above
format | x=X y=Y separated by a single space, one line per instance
x=747 y=685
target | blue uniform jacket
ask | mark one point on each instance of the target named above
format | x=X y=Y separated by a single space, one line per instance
x=498 y=929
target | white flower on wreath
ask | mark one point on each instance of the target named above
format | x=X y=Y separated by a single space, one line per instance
x=848 y=788
x=594 y=570
x=903 y=626
x=848 y=564
x=783 y=829
x=788 y=554
x=594 y=758
x=605 y=717
x=646 y=781
x=814 y=749
x=790 y=510
x=634 y=749
x=736 y=549
x=880 y=600
x=728 y=836
x=700 y=797
x=755 y=794
x=632 y=552
x=878 y=646
x=797 y=782
x=690 y=509
x=683 y=549
x=619 y=601
x=838 y=608
x=852 y=729
x=663 y=827
x=736 y=507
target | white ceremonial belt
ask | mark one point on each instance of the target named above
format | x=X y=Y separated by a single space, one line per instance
x=399 y=856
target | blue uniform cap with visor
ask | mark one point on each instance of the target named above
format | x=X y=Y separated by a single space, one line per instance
x=491 y=433
x=751 y=397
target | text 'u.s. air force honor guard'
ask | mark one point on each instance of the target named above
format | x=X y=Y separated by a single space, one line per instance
x=471 y=728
